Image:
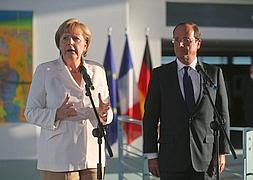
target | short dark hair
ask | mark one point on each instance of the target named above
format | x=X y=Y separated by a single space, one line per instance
x=195 y=27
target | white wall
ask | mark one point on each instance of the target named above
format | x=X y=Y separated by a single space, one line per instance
x=150 y=13
x=18 y=141
x=136 y=15
x=47 y=16
x=97 y=14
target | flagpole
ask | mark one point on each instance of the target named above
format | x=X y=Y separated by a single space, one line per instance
x=125 y=31
x=147 y=30
x=109 y=31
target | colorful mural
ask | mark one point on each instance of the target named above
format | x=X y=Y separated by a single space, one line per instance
x=15 y=63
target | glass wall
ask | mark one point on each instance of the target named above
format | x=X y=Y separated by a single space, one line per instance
x=237 y=60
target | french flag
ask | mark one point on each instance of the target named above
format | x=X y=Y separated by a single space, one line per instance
x=128 y=94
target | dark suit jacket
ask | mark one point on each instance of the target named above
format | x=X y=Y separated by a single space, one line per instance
x=184 y=137
x=247 y=95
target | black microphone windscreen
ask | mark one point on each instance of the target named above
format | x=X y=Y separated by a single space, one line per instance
x=82 y=69
x=198 y=67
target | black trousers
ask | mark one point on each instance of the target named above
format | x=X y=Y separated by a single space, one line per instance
x=189 y=174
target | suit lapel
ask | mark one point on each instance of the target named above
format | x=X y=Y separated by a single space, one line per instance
x=64 y=74
x=201 y=89
x=175 y=79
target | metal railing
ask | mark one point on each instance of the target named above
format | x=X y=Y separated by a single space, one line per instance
x=127 y=150
x=247 y=151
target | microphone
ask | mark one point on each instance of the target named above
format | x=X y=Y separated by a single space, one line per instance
x=86 y=77
x=201 y=71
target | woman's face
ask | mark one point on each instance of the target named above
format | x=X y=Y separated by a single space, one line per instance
x=72 y=45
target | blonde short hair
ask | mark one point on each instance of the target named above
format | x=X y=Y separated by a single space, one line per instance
x=71 y=25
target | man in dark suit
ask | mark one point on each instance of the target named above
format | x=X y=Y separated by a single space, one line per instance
x=247 y=95
x=179 y=105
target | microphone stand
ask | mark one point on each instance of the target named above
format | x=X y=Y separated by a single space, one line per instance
x=217 y=126
x=98 y=132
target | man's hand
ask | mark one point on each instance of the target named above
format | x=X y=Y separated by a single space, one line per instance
x=153 y=167
x=222 y=161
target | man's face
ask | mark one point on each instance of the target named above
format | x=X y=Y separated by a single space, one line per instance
x=185 y=44
x=251 y=69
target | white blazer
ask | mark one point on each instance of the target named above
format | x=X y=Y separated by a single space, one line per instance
x=66 y=145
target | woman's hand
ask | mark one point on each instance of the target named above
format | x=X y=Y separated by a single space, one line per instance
x=65 y=110
x=103 y=109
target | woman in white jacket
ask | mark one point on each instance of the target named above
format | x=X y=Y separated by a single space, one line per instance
x=57 y=103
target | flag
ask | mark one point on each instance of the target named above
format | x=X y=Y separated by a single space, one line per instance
x=128 y=94
x=112 y=84
x=144 y=77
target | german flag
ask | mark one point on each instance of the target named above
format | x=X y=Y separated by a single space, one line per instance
x=145 y=74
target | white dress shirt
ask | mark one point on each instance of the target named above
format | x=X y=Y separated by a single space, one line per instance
x=195 y=77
